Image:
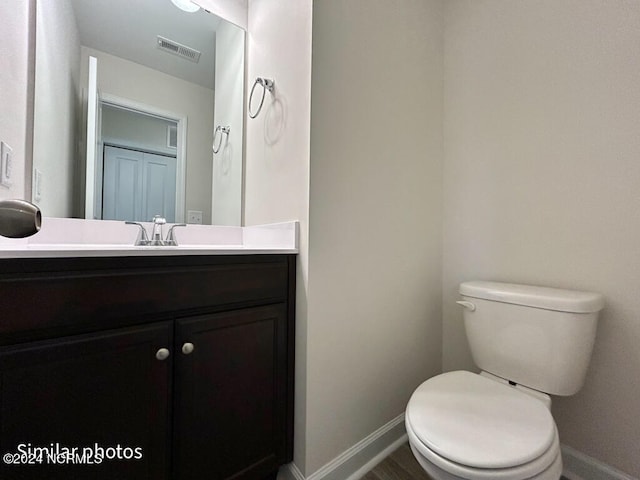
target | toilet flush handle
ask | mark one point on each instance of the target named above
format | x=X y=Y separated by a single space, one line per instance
x=468 y=305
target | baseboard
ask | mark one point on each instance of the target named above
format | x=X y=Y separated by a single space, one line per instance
x=290 y=472
x=578 y=466
x=353 y=463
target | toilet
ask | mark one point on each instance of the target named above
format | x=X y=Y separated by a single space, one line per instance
x=529 y=343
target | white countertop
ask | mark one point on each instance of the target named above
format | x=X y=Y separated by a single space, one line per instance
x=63 y=237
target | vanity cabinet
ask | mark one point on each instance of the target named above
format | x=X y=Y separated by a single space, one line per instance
x=179 y=367
x=103 y=388
x=238 y=365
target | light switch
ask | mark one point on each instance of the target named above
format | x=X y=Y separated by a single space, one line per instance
x=6 y=161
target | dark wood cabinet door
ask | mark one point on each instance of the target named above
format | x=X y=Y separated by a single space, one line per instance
x=97 y=391
x=230 y=394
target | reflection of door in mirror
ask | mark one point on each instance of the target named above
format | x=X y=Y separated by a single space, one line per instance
x=138 y=185
x=135 y=65
x=139 y=164
x=92 y=172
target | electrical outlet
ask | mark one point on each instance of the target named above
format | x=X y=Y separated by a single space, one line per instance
x=6 y=164
x=194 y=217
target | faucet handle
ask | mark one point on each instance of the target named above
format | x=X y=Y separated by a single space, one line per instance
x=171 y=239
x=142 y=238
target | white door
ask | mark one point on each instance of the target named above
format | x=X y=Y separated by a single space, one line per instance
x=138 y=185
x=121 y=198
x=93 y=172
x=159 y=187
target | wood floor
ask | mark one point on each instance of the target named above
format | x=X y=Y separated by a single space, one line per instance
x=400 y=465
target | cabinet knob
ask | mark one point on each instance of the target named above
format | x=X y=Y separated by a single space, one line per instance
x=162 y=354
x=187 y=348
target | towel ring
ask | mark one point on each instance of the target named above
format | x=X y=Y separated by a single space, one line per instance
x=266 y=84
x=222 y=130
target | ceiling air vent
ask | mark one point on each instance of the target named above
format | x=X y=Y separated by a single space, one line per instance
x=178 y=49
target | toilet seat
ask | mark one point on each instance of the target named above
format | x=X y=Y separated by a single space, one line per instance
x=477 y=428
x=520 y=472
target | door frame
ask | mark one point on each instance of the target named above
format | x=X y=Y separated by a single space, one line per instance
x=93 y=134
x=181 y=150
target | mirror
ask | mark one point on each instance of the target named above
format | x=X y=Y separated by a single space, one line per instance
x=128 y=96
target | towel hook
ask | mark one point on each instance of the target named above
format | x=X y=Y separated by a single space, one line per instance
x=267 y=84
x=222 y=130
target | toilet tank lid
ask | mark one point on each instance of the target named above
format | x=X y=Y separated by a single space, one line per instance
x=531 y=296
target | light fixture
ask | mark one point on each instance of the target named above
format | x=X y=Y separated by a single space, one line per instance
x=186 y=5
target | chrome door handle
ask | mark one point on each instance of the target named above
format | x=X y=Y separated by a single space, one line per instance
x=468 y=305
x=187 y=348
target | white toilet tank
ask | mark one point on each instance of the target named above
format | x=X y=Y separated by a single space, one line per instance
x=538 y=337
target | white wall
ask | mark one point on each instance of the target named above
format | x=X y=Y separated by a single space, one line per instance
x=277 y=149
x=229 y=111
x=57 y=106
x=14 y=89
x=165 y=92
x=541 y=182
x=375 y=221
x=234 y=11
x=372 y=328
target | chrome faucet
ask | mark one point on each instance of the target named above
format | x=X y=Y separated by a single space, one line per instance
x=156 y=236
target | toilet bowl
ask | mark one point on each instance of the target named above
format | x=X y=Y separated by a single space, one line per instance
x=466 y=426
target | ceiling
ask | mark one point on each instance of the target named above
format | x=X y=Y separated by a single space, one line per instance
x=129 y=29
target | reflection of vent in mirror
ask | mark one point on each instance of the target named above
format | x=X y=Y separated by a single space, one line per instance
x=178 y=49
x=172 y=136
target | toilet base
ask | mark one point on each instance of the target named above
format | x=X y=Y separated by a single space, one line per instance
x=553 y=472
